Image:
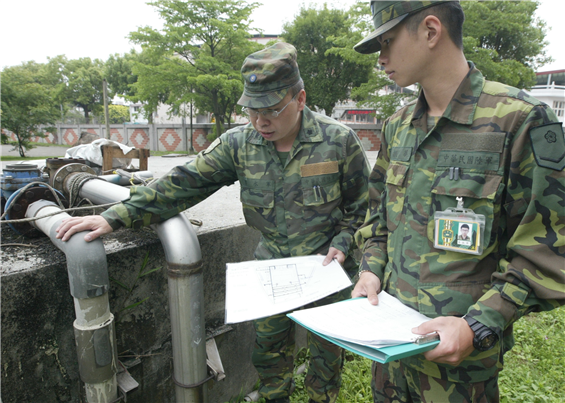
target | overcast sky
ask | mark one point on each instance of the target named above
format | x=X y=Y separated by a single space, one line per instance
x=37 y=29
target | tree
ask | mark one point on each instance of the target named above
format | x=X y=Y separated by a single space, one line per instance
x=377 y=91
x=26 y=103
x=118 y=71
x=197 y=57
x=504 y=40
x=118 y=114
x=84 y=85
x=324 y=39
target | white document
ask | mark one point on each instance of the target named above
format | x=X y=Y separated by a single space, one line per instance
x=356 y=320
x=261 y=288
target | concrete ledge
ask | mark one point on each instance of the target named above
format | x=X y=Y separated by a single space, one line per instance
x=38 y=350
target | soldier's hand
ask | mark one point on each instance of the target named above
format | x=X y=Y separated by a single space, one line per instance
x=336 y=254
x=369 y=285
x=456 y=339
x=94 y=223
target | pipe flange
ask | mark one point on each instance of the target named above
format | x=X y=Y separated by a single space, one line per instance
x=54 y=164
x=58 y=179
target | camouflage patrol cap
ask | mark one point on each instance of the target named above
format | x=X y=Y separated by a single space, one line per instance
x=268 y=74
x=387 y=15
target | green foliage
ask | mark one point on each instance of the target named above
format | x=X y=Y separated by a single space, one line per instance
x=504 y=40
x=84 y=85
x=118 y=71
x=382 y=94
x=26 y=102
x=376 y=90
x=533 y=370
x=196 y=58
x=329 y=66
x=130 y=289
x=118 y=114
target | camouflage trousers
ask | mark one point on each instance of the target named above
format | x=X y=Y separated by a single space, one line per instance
x=273 y=357
x=395 y=382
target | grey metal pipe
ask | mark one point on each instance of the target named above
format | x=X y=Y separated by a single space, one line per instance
x=89 y=285
x=186 y=293
x=125 y=180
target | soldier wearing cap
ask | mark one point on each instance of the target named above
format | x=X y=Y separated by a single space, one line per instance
x=508 y=150
x=303 y=179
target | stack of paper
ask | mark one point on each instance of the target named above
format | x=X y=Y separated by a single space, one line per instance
x=380 y=332
x=261 y=288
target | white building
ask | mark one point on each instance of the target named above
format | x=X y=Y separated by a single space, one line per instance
x=550 y=89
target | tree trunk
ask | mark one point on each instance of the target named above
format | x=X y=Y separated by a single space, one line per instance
x=21 y=148
x=218 y=127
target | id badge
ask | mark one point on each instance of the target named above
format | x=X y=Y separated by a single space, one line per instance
x=459 y=230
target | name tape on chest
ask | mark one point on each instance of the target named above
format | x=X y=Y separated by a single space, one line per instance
x=320 y=168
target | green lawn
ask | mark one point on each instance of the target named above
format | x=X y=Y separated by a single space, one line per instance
x=534 y=370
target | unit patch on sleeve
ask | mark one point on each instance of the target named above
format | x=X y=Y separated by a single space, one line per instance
x=548 y=143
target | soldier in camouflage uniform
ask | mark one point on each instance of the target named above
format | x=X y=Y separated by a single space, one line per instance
x=304 y=186
x=503 y=153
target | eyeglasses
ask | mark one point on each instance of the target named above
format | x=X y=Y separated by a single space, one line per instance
x=267 y=113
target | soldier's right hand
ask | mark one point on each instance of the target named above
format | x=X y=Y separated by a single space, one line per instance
x=94 y=223
x=369 y=285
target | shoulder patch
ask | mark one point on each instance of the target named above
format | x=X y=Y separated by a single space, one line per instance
x=212 y=146
x=548 y=143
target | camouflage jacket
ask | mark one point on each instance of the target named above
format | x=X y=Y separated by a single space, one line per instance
x=316 y=199
x=510 y=152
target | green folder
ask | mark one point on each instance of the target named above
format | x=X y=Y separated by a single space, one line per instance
x=380 y=354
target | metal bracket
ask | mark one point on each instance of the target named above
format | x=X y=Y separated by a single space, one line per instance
x=126 y=383
x=214 y=361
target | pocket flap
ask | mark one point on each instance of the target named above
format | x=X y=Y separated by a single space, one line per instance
x=396 y=173
x=475 y=185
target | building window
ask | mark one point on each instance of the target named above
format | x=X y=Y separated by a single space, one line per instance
x=362 y=118
x=559 y=108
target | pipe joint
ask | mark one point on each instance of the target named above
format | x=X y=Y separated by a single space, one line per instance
x=96 y=349
x=184 y=270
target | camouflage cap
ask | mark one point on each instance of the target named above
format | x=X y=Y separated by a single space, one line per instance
x=268 y=74
x=386 y=15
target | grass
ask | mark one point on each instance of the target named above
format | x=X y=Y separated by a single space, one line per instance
x=534 y=370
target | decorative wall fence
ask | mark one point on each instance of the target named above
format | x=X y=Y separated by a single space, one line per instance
x=170 y=137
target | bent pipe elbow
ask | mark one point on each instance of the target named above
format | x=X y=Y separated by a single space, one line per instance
x=86 y=261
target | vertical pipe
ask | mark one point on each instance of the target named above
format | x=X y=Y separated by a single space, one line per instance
x=89 y=285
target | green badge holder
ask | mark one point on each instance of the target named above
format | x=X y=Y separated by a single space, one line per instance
x=459 y=230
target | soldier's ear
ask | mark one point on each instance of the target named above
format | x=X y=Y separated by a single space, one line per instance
x=433 y=29
x=301 y=100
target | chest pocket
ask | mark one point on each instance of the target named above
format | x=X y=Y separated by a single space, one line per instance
x=258 y=202
x=321 y=189
x=480 y=191
x=395 y=193
x=321 y=198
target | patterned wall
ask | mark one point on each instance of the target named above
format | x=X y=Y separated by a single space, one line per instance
x=169 y=138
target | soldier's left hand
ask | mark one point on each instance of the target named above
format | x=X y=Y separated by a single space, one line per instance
x=336 y=254
x=456 y=339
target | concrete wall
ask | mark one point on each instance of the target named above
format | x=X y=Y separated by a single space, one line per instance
x=38 y=355
x=171 y=137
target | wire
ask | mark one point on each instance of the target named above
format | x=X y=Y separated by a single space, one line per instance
x=77 y=181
